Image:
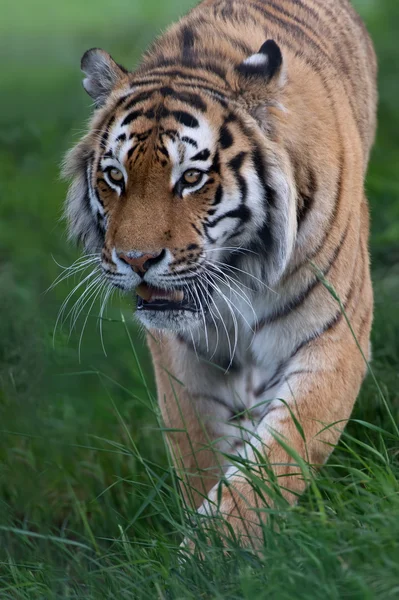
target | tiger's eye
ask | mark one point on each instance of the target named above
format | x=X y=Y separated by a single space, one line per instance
x=115 y=175
x=192 y=176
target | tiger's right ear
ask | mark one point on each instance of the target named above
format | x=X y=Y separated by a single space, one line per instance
x=265 y=64
x=102 y=74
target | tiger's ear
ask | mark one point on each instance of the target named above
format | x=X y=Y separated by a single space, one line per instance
x=102 y=74
x=265 y=64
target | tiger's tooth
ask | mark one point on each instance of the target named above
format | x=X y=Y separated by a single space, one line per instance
x=178 y=296
x=144 y=291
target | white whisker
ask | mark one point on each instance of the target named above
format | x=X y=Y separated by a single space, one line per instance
x=106 y=296
x=206 y=294
x=212 y=276
x=234 y=319
x=240 y=294
x=67 y=299
x=226 y=266
x=79 y=305
x=97 y=292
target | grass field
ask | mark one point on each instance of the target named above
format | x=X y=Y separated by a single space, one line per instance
x=88 y=501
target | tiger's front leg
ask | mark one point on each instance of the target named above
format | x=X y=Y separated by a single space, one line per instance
x=195 y=403
x=302 y=428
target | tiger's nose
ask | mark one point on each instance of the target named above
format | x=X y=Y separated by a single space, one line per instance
x=140 y=263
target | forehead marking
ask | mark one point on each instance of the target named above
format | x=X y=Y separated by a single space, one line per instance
x=203 y=155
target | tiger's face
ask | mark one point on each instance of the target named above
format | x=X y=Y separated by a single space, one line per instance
x=175 y=184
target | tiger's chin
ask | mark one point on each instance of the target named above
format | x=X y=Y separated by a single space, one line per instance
x=174 y=320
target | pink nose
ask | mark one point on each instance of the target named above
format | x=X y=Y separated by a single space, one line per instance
x=141 y=263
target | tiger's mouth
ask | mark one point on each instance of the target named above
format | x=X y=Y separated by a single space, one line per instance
x=157 y=299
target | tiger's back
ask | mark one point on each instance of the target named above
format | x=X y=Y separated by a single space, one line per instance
x=328 y=36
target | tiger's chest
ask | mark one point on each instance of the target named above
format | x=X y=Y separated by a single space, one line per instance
x=237 y=335
x=242 y=361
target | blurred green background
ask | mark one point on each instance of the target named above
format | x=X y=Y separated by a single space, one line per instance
x=65 y=423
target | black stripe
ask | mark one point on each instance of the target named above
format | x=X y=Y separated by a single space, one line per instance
x=187 y=37
x=99 y=221
x=225 y=137
x=305 y=209
x=217 y=94
x=183 y=75
x=187 y=97
x=88 y=170
x=185 y=118
x=196 y=229
x=132 y=117
x=215 y=167
x=203 y=155
x=189 y=140
x=242 y=212
x=265 y=242
x=203 y=64
x=214 y=399
x=296 y=302
x=131 y=150
x=278 y=375
x=235 y=164
x=307 y=198
x=262 y=172
x=218 y=195
x=326 y=327
x=105 y=135
x=277 y=378
x=89 y=180
x=192 y=99
x=140 y=98
x=149 y=114
x=331 y=220
x=163 y=150
x=144 y=82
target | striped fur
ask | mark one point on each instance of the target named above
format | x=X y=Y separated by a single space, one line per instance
x=275 y=102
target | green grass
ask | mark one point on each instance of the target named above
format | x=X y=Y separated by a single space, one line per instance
x=88 y=501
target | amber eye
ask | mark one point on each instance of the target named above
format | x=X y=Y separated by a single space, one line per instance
x=115 y=175
x=192 y=176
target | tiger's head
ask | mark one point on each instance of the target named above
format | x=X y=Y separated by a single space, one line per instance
x=179 y=178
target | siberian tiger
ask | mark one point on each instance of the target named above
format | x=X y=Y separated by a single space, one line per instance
x=221 y=181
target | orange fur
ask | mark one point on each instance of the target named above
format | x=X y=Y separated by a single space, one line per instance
x=314 y=123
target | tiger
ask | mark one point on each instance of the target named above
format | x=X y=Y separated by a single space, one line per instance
x=221 y=185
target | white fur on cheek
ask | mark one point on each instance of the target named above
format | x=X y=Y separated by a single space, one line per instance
x=95 y=205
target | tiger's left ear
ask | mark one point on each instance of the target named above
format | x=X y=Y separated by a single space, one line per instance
x=265 y=64
x=102 y=74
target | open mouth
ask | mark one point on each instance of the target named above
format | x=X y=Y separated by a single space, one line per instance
x=152 y=298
